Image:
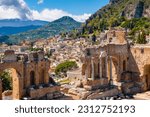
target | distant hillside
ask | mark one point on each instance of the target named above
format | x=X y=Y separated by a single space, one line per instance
x=133 y=15
x=15 y=30
x=64 y=24
x=21 y=23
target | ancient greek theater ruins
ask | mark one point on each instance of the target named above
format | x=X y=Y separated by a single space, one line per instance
x=116 y=66
x=29 y=73
x=113 y=67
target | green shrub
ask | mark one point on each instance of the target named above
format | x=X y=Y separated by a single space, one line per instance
x=6 y=81
x=65 y=66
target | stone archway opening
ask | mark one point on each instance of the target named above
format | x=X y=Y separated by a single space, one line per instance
x=114 y=69
x=124 y=65
x=32 y=78
x=42 y=76
x=147 y=76
x=11 y=82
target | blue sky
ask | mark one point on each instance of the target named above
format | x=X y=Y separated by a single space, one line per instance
x=49 y=10
x=76 y=7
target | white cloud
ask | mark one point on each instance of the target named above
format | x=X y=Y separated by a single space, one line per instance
x=18 y=6
x=40 y=1
x=81 y=18
x=48 y=15
x=11 y=9
x=8 y=13
x=53 y=14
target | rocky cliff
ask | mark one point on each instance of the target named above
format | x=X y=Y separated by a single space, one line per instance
x=137 y=9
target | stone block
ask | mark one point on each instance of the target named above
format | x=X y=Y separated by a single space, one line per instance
x=131 y=88
x=84 y=95
x=38 y=93
x=88 y=88
x=78 y=84
x=95 y=84
x=7 y=93
x=108 y=93
x=49 y=96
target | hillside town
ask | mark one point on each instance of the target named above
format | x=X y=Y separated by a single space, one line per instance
x=114 y=68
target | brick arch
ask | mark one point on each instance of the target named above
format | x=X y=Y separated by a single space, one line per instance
x=115 y=68
x=15 y=66
x=16 y=82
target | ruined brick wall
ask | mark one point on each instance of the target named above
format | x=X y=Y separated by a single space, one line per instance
x=40 y=70
x=139 y=58
x=139 y=66
x=37 y=93
x=119 y=54
x=121 y=36
x=17 y=73
x=17 y=85
x=9 y=56
x=21 y=75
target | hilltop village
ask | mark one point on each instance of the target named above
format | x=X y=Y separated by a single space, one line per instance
x=110 y=68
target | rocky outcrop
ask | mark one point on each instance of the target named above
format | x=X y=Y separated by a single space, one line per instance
x=139 y=10
x=136 y=10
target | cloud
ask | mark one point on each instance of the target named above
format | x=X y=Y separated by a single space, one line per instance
x=11 y=9
x=53 y=14
x=8 y=13
x=18 y=6
x=40 y=1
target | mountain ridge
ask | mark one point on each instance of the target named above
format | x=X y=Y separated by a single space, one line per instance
x=21 y=23
x=64 y=24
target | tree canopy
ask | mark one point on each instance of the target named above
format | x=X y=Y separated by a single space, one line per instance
x=6 y=81
x=65 y=66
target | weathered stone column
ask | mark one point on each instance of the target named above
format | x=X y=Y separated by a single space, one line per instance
x=46 y=73
x=86 y=72
x=92 y=62
x=111 y=80
x=28 y=58
x=0 y=89
x=1 y=59
x=17 y=87
x=37 y=75
x=106 y=60
x=100 y=67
